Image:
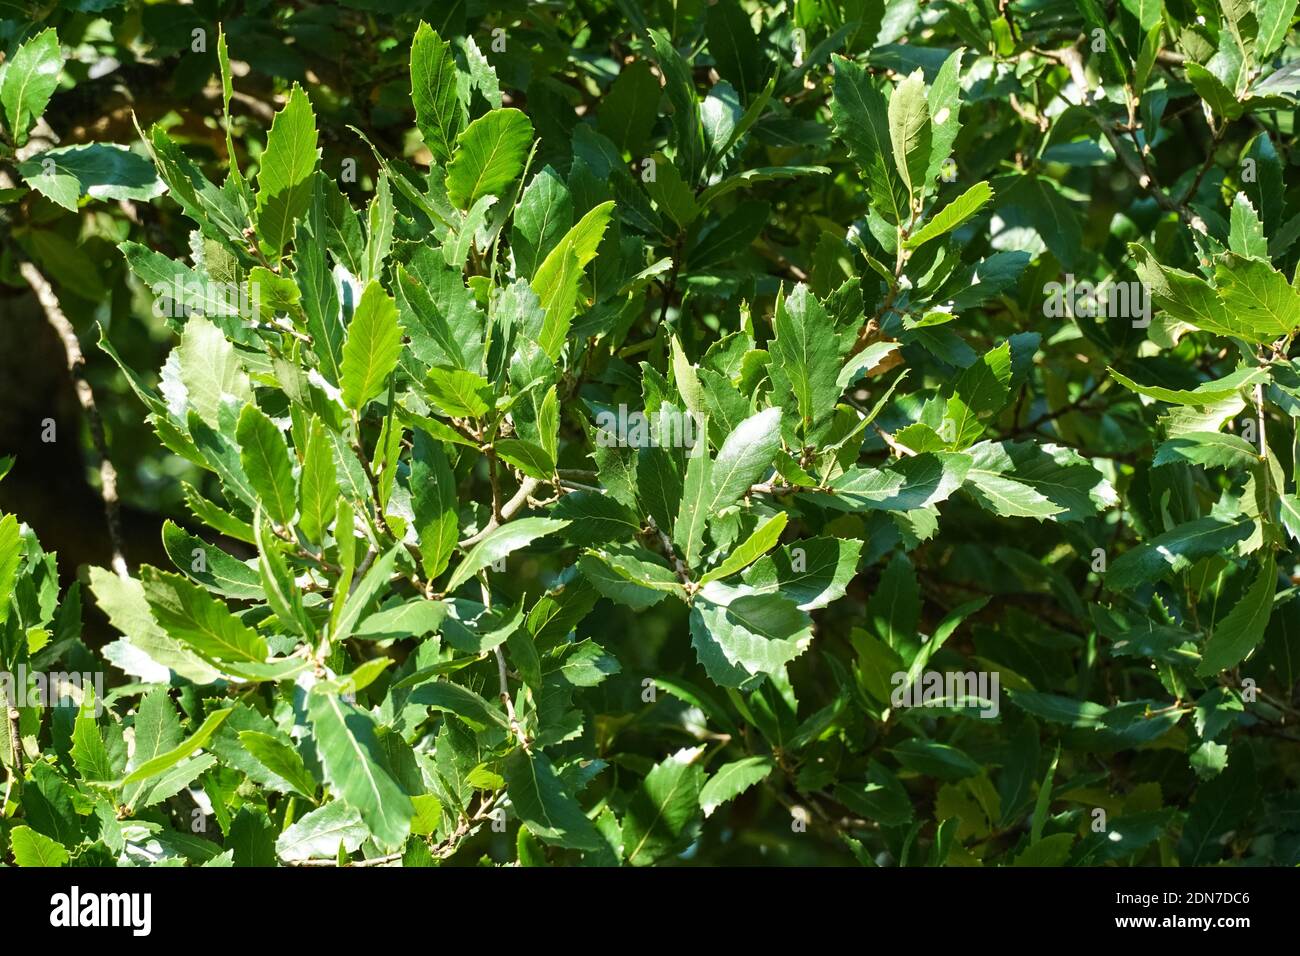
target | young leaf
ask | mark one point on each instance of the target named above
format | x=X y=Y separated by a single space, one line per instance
x=284 y=182
x=265 y=458
x=438 y=110
x=29 y=80
x=489 y=156
x=319 y=488
x=909 y=132
x=733 y=779
x=372 y=349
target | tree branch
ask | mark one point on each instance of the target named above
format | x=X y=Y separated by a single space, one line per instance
x=508 y=511
x=86 y=396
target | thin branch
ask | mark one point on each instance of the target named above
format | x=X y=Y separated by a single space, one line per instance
x=1139 y=168
x=679 y=566
x=1259 y=412
x=508 y=511
x=15 y=740
x=373 y=861
x=503 y=674
x=86 y=396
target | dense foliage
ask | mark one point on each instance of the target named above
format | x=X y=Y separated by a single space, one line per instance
x=829 y=431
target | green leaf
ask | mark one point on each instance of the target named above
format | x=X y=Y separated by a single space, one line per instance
x=380 y=218
x=123 y=600
x=29 y=80
x=283 y=596
x=753 y=547
x=1257 y=296
x=861 y=118
x=280 y=759
x=459 y=392
x=952 y=215
x=356 y=770
x=804 y=362
x=284 y=181
x=1219 y=806
x=1037 y=481
x=1211 y=89
x=196 y=741
x=733 y=779
x=1050 y=213
x=671 y=194
x=738 y=635
x=320 y=834
x=933 y=759
x=745 y=456
x=499 y=542
x=438 y=110
x=1275 y=18
x=97 y=170
x=1207 y=393
x=1176 y=550
x=415 y=618
x=543 y=804
x=10 y=554
x=88 y=751
x=1188 y=298
x=363 y=595
x=31 y=848
x=196 y=619
x=1246 y=233
x=210 y=371
x=629 y=108
x=210 y=565
x=265 y=457
x=735 y=48
x=1241 y=630
x=1147 y=12
x=372 y=349
x=894 y=610
x=544 y=216
x=556 y=281
x=433 y=501
x=909 y=132
x=697 y=494
x=664 y=814
x=979 y=391
x=944 y=100
x=318 y=490
x=489 y=156
x=679 y=87
x=157 y=731
x=907 y=484
x=1289 y=506
x=882 y=798
x=531 y=459
x=1052 y=851
x=752 y=177
x=631 y=577
x=1210 y=449
x=461 y=701
x=813 y=572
